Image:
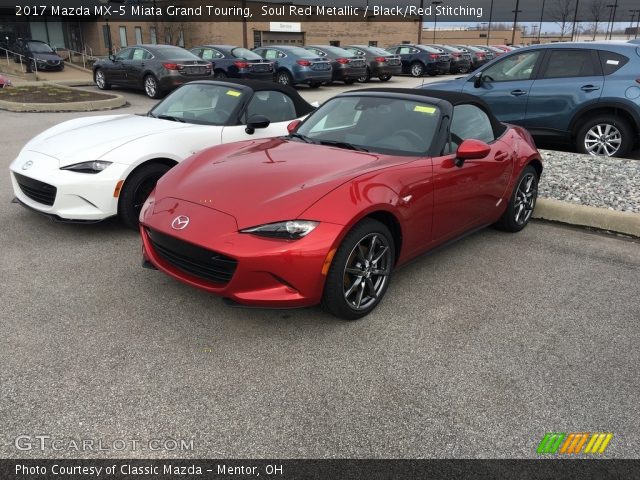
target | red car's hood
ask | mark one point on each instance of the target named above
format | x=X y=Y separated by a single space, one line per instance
x=263 y=181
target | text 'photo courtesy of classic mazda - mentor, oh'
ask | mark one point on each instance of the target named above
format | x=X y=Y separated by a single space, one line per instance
x=368 y=181
x=92 y=168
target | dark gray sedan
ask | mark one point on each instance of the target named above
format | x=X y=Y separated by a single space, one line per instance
x=295 y=65
x=346 y=66
x=156 y=69
x=380 y=63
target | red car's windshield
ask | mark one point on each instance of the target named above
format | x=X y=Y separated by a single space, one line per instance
x=376 y=124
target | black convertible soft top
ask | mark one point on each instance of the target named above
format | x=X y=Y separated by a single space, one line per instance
x=301 y=105
x=454 y=98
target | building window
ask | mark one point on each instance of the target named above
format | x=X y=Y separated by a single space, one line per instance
x=373 y=43
x=152 y=33
x=181 y=38
x=483 y=35
x=257 y=39
x=123 y=37
x=405 y=42
x=139 y=35
x=106 y=35
x=334 y=43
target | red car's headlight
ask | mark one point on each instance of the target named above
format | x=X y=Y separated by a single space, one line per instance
x=289 y=230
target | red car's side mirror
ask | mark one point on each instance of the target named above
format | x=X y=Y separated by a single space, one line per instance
x=471 y=149
x=293 y=125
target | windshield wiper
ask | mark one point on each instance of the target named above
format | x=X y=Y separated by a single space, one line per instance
x=301 y=137
x=348 y=146
x=169 y=117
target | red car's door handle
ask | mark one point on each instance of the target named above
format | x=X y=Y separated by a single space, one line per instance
x=517 y=93
x=501 y=156
x=589 y=88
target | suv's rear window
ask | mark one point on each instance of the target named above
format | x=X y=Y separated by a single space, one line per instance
x=611 y=62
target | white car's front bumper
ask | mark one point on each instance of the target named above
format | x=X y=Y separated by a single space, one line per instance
x=77 y=196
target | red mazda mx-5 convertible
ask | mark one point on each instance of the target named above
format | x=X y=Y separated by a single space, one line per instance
x=368 y=181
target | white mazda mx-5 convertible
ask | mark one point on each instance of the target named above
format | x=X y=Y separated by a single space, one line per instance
x=92 y=168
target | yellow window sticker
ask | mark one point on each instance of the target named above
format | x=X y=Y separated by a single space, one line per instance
x=234 y=93
x=423 y=109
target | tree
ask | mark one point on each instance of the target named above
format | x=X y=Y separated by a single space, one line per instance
x=561 y=14
x=597 y=11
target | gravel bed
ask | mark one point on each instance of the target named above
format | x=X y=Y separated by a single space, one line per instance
x=612 y=183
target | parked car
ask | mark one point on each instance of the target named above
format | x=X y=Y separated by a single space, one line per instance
x=235 y=62
x=506 y=48
x=420 y=59
x=4 y=82
x=295 y=65
x=92 y=168
x=156 y=69
x=478 y=57
x=492 y=52
x=37 y=54
x=460 y=61
x=367 y=182
x=380 y=63
x=576 y=93
x=346 y=66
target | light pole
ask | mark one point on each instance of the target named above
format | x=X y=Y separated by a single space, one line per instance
x=613 y=18
x=637 y=24
x=541 y=15
x=420 y=21
x=109 y=42
x=633 y=16
x=490 y=19
x=515 y=22
x=575 y=20
x=435 y=18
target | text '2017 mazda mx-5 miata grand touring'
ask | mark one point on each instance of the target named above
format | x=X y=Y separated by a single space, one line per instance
x=368 y=181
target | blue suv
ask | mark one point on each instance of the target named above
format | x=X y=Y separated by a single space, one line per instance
x=587 y=94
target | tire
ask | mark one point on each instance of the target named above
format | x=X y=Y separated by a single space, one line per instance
x=101 y=80
x=521 y=203
x=605 y=135
x=284 y=78
x=416 y=69
x=366 y=77
x=151 y=87
x=384 y=78
x=219 y=74
x=135 y=191
x=344 y=290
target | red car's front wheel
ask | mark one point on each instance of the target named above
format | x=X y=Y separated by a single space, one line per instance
x=360 y=272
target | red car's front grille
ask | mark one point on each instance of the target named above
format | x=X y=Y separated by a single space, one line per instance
x=192 y=259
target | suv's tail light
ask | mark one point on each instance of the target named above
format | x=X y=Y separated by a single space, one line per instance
x=434 y=56
x=241 y=64
x=304 y=63
x=342 y=61
x=171 y=66
x=456 y=55
x=479 y=54
x=381 y=59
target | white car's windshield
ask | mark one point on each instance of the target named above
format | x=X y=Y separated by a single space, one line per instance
x=375 y=124
x=200 y=103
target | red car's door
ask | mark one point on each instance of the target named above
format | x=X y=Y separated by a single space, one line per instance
x=470 y=195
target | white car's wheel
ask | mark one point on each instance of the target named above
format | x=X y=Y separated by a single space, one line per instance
x=136 y=189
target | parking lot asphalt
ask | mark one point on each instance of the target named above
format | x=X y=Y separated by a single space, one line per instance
x=477 y=350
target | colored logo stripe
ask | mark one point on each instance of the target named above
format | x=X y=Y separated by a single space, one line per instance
x=574 y=443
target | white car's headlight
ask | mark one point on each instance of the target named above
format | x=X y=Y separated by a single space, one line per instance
x=93 y=166
x=289 y=230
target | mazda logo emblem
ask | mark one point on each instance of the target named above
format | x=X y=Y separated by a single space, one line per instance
x=26 y=165
x=180 y=223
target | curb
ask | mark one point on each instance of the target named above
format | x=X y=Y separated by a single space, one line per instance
x=85 y=106
x=587 y=216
